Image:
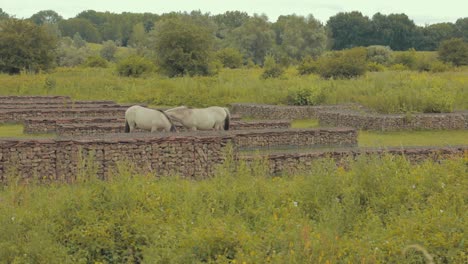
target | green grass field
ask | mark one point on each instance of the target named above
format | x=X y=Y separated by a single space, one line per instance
x=369 y=213
x=376 y=210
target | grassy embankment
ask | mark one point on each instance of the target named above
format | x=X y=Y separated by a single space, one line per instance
x=368 y=213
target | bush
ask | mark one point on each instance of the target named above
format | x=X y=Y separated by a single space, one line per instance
x=438 y=66
x=96 y=62
x=311 y=96
x=454 y=51
x=344 y=64
x=308 y=66
x=230 y=58
x=271 y=69
x=108 y=50
x=134 y=66
x=379 y=54
x=69 y=55
x=375 y=67
x=406 y=58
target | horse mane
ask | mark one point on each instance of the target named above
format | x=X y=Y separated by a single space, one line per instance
x=168 y=119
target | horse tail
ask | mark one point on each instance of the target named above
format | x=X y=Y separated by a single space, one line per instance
x=173 y=128
x=127 y=127
x=226 y=121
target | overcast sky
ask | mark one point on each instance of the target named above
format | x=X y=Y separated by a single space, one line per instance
x=421 y=12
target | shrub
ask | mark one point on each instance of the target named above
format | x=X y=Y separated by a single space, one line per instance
x=134 y=66
x=344 y=64
x=96 y=62
x=379 y=54
x=230 y=58
x=308 y=66
x=407 y=58
x=311 y=96
x=454 y=51
x=69 y=55
x=108 y=50
x=271 y=69
x=438 y=66
x=375 y=67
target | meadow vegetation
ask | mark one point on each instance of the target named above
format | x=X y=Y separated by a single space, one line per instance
x=386 y=92
x=368 y=212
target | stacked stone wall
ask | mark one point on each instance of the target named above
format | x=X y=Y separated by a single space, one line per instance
x=286 y=163
x=315 y=137
x=118 y=126
x=63 y=159
x=262 y=111
x=356 y=116
x=359 y=120
x=19 y=115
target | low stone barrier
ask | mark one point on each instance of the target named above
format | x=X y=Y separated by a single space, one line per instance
x=81 y=129
x=33 y=97
x=34 y=107
x=262 y=111
x=19 y=115
x=287 y=163
x=313 y=137
x=41 y=125
x=365 y=121
x=353 y=115
x=191 y=156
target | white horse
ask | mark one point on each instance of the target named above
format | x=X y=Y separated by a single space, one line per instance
x=148 y=119
x=213 y=117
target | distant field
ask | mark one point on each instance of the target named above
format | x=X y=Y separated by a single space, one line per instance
x=389 y=91
x=16 y=131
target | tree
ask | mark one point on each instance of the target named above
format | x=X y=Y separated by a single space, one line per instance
x=299 y=37
x=24 y=45
x=86 y=29
x=183 y=46
x=3 y=15
x=229 y=21
x=349 y=30
x=434 y=34
x=138 y=36
x=462 y=28
x=454 y=51
x=255 y=38
x=46 y=17
x=230 y=58
x=394 y=30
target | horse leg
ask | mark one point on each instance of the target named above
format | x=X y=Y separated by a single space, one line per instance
x=132 y=126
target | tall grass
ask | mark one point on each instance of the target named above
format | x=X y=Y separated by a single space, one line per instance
x=387 y=92
x=367 y=213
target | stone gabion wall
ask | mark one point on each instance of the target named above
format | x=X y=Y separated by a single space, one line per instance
x=262 y=111
x=356 y=116
x=314 y=137
x=59 y=106
x=40 y=125
x=62 y=159
x=284 y=163
x=19 y=115
x=35 y=98
x=75 y=129
x=359 y=120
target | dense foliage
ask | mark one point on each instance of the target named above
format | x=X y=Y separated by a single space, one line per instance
x=25 y=46
x=373 y=211
x=183 y=47
x=454 y=51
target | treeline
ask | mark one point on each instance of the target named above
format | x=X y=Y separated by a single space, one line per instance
x=196 y=43
x=342 y=31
